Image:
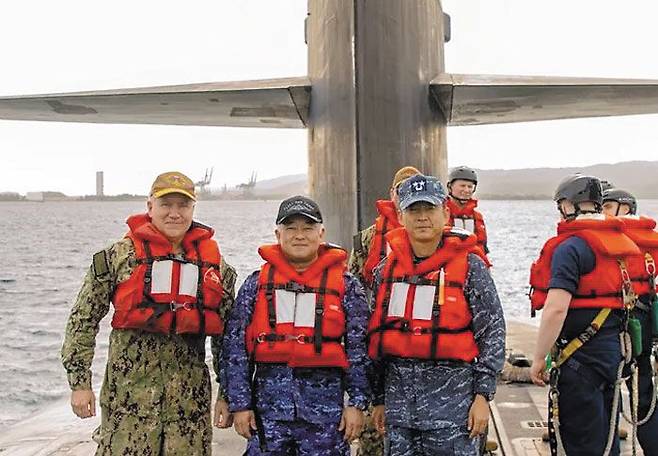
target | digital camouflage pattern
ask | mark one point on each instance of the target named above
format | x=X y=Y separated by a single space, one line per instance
x=359 y=253
x=371 y=443
x=156 y=397
x=300 y=438
x=294 y=399
x=429 y=396
x=437 y=442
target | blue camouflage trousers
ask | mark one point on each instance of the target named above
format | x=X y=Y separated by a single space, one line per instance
x=402 y=441
x=299 y=438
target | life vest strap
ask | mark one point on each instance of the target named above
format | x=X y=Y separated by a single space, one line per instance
x=402 y=325
x=577 y=342
x=199 y=294
x=422 y=280
x=296 y=287
x=439 y=297
x=319 y=313
x=299 y=338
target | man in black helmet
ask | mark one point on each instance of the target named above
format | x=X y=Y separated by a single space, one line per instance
x=618 y=202
x=462 y=182
x=578 y=281
x=622 y=204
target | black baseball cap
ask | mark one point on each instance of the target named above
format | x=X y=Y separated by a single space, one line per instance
x=299 y=205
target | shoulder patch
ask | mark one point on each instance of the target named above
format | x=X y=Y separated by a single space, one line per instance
x=101 y=265
x=458 y=232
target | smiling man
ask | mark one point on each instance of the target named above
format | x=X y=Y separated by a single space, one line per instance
x=170 y=288
x=462 y=183
x=437 y=333
x=295 y=343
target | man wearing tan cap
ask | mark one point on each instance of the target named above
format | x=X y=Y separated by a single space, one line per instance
x=170 y=288
x=370 y=247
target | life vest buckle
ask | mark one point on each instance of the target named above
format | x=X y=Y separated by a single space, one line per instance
x=261 y=338
x=301 y=339
x=417 y=331
x=294 y=287
x=176 y=306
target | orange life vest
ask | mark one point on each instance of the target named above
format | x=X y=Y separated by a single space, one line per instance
x=421 y=311
x=600 y=288
x=468 y=218
x=169 y=293
x=642 y=268
x=385 y=222
x=298 y=318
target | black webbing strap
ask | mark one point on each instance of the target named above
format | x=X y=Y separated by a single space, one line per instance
x=295 y=287
x=382 y=247
x=402 y=325
x=260 y=429
x=301 y=338
x=269 y=297
x=387 y=299
x=436 y=310
x=158 y=310
x=200 y=306
x=319 y=313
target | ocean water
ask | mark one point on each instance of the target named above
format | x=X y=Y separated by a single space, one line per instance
x=46 y=249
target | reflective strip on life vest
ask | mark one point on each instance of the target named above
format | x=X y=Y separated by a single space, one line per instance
x=188 y=283
x=467 y=224
x=162 y=278
x=423 y=300
x=295 y=307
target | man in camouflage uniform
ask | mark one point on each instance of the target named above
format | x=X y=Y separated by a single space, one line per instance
x=156 y=394
x=287 y=408
x=362 y=258
x=369 y=249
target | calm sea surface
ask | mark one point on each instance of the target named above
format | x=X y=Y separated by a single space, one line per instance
x=46 y=248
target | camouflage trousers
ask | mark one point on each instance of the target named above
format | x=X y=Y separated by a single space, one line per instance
x=141 y=436
x=402 y=441
x=299 y=438
x=371 y=443
x=155 y=399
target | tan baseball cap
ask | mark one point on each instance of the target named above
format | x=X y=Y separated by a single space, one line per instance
x=173 y=182
x=403 y=174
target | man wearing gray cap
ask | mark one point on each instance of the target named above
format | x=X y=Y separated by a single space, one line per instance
x=437 y=333
x=295 y=343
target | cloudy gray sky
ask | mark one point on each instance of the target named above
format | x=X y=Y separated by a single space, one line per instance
x=81 y=45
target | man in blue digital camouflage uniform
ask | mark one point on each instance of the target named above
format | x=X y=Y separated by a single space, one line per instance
x=436 y=405
x=294 y=403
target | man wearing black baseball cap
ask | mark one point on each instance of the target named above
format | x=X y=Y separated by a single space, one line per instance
x=300 y=323
x=437 y=332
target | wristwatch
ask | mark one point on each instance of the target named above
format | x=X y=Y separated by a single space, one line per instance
x=487 y=395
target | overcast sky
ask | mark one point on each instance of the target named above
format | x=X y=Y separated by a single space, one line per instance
x=72 y=45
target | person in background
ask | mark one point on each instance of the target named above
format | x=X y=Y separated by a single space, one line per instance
x=642 y=268
x=579 y=283
x=462 y=183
